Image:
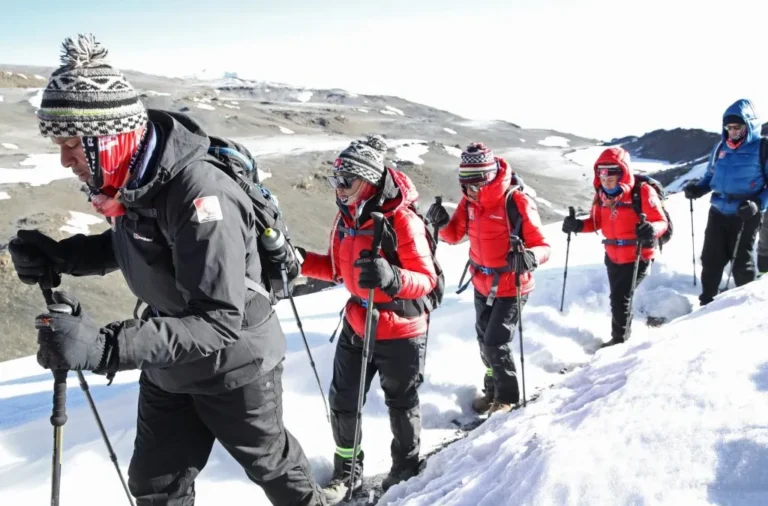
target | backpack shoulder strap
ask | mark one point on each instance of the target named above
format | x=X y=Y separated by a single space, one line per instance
x=637 y=203
x=513 y=214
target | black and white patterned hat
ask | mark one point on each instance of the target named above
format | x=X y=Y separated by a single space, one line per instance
x=86 y=97
x=364 y=159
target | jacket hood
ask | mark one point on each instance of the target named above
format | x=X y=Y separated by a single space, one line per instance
x=182 y=141
x=618 y=156
x=744 y=109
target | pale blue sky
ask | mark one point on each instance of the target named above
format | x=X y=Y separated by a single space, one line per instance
x=592 y=67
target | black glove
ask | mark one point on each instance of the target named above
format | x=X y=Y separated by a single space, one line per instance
x=438 y=216
x=571 y=224
x=645 y=233
x=37 y=258
x=747 y=209
x=377 y=273
x=72 y=341
x=522 y=261
x=692 y=191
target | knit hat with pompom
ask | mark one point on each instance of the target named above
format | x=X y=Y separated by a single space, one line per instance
x=364 y=159
x=86 y=97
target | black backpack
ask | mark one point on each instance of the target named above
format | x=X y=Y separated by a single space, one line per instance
x=637 y=204
x=237 y=162
x=433 y=299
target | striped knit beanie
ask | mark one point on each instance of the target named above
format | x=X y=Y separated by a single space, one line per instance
x=86 y=97
x=364 y=159
x=478 y=164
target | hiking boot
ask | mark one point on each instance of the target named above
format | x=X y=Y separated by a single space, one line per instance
x=402 y=473
x=501 y=407
x=612 y=342
x=337 y=489
x=483 y=404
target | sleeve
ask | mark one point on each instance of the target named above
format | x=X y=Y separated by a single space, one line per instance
x=90 y=255
x=209 y=225
x=705 y=181
x=457 y=227
x=532 y=227
x=417 y=272
x=593 y=223
x=318 y=266
x=651 y=205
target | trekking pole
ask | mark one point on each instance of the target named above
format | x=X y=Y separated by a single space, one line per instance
x=627 y=328
x=693 y=244
x=435 y=229
x=571 y=214
x=370 y=330
x=518 y=245
x=733 y=257
x=435 y=233
x=274 y=241
x=63 y=308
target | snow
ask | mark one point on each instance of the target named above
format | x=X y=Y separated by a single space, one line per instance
x=676 y=416
x=304 y=96
x=394 y=110
x=452 y=132
x=44 y=169
x=79 y=223
x=285 y=130
x=412 y=153
x=587 y=157
x=231 y=106
x=522 y=140
x=544 y=201
x=294 y=144
x=4 y=196
x=452 y=150
x=154 y=93
x=696 y=172
x=391 y=113
x=206 y=107
x=8 y=145
x=36 y=99
x=22 y=76
x=1 y=98
x=36 y=76
x=360 y=109
x=555 y=141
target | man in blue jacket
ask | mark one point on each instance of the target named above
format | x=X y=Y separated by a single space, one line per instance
x=737 y=180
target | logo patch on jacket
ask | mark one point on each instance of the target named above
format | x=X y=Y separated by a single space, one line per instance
x=722 y=154
x=208 y=209
x=142 y=238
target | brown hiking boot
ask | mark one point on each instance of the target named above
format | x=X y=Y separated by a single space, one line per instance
x=482 y=404
x=501 y=407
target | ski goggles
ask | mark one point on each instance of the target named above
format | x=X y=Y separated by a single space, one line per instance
x=733 y=128
x=474 y=187
x=608 y=171
x=343 y=181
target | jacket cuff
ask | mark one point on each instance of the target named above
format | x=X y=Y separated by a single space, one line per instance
x=397 y=283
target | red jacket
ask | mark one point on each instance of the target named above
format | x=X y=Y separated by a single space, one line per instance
x=489 y=233
x=417 y=272
x=620 y=223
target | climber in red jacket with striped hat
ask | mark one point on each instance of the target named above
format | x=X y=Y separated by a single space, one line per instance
x=495 y=213
x=613 y=213
x=401 y=280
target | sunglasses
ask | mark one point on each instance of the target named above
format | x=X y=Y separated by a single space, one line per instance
x=733 y=128
x=341 y=181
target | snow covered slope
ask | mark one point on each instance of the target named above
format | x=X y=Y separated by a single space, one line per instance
x=675 y=417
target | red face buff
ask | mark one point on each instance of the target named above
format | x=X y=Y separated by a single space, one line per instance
x=110 y=158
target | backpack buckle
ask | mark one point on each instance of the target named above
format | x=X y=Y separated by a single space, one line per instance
x=486 y=270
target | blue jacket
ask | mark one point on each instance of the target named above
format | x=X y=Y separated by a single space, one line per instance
x=735 y=175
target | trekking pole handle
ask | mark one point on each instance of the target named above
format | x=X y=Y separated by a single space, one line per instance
x=378 y=227
x=59 y=414
x=571 y=212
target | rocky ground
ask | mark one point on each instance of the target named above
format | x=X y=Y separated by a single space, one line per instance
x=295 y=134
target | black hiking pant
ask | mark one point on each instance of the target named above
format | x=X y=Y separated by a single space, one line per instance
x=175 y=434
x=719 y=243
x=620 y=281
x=400 y=364
x=495 y=326
x=762 y=246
